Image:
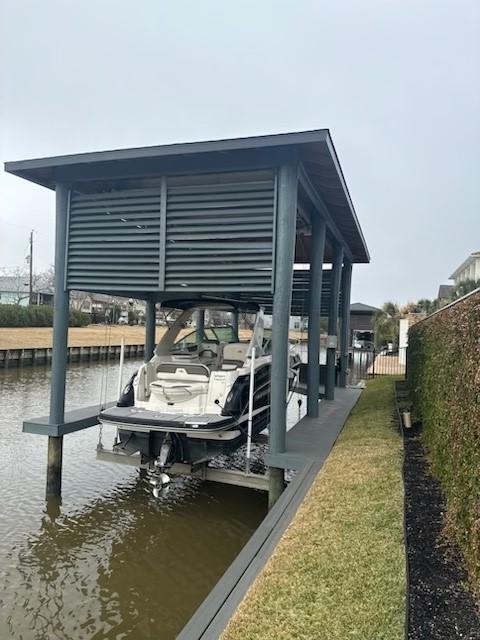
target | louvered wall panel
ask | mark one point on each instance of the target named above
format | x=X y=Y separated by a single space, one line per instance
x=219 y=237
x=114 y=241
x=300 y=294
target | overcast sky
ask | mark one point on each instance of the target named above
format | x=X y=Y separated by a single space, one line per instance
x=395 y=81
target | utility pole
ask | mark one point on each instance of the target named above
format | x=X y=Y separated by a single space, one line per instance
x=30 y=261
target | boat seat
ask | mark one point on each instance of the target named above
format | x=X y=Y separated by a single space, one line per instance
x=176 y=370
x=234 y=354
x=178 y=383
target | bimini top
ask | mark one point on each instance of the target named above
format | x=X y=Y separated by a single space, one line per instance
x=313 y=149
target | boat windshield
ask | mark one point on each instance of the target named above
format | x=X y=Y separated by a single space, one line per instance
x=211 y=334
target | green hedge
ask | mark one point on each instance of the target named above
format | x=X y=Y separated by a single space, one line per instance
x=444 y=374
x=14 y=315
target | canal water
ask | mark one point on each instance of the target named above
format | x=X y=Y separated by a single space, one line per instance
x=111 y=561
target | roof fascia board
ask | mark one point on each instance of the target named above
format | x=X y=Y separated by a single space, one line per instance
x=183 y=148
x=322 y=210
x=156 y=167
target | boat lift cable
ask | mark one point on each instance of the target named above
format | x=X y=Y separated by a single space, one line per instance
x=251 y=389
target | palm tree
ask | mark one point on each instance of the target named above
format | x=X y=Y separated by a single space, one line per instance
x=385 y=324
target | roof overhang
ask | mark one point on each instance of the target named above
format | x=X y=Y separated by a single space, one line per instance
x=314 y=150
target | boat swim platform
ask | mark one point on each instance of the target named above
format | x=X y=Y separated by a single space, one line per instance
x=309 y=443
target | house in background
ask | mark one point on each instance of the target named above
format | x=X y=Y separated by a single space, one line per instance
x=444 y=293
x=362 y=323
x=468 y=270
x=14 y=290
x=105 y=308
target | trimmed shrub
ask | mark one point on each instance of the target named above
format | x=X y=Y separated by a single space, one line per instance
x=79 y=319
x=444 y=374
x=14 y=315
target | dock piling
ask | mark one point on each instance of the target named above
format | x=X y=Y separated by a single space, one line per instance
x=150 y=326
x=54 y=466
x=60 y=342
x=332 y=323
x=314 y=310
x=346 y=283
x=282 y=298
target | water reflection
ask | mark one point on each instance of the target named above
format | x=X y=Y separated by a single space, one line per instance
x=111 y=561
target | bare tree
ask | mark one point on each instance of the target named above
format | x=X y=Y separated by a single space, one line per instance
x=79 y=300
x=44 y=281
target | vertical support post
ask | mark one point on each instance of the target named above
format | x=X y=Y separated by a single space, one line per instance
x=315 y=300
x=60 y=343
x=235 y=321
x=150 y=326
x=346 y=285
x=332 y=322
x=200 y=321
x=282 y=299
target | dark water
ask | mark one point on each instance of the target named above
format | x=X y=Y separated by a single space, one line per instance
x=111 y=561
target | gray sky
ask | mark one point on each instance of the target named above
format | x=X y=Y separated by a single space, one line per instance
x=396 y=82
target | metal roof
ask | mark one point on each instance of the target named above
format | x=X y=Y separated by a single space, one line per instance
x=313 y=149
x=444 y=291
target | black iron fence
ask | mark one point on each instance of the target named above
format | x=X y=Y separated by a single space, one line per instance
x=369 y=362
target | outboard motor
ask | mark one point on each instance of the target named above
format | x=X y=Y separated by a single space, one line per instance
x=159 y=478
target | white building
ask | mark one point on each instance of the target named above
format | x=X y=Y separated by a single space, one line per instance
x=468 y=270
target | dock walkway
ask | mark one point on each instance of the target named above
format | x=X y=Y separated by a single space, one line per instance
x=312 y=439
x=309 y=443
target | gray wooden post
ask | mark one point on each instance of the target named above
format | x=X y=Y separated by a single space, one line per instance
x=60 y=344
x=315 y=299
x=150 y=326
x=200 y=322
x=332 y=323
x=235 y=321
x=282 y=299
x=346 y=285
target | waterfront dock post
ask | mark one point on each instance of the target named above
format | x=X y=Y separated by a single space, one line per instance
x=345 y=286
x=314 y=309
x=60 y=343
x=333 y=322
x=282 y=298
x=150 y=326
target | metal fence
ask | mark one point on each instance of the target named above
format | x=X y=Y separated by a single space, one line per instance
x=369 y=363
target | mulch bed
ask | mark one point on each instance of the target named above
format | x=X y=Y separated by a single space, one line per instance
x=439 y=605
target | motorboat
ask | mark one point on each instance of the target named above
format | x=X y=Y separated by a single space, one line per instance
x=191 y=401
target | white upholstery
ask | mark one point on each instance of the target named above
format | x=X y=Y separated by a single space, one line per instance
x=181 y=375
x=235 y=351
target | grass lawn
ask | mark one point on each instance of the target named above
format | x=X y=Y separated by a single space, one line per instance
x=93 y=335
x=338 y=572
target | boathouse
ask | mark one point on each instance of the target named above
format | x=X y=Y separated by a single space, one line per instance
x=226 y=218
